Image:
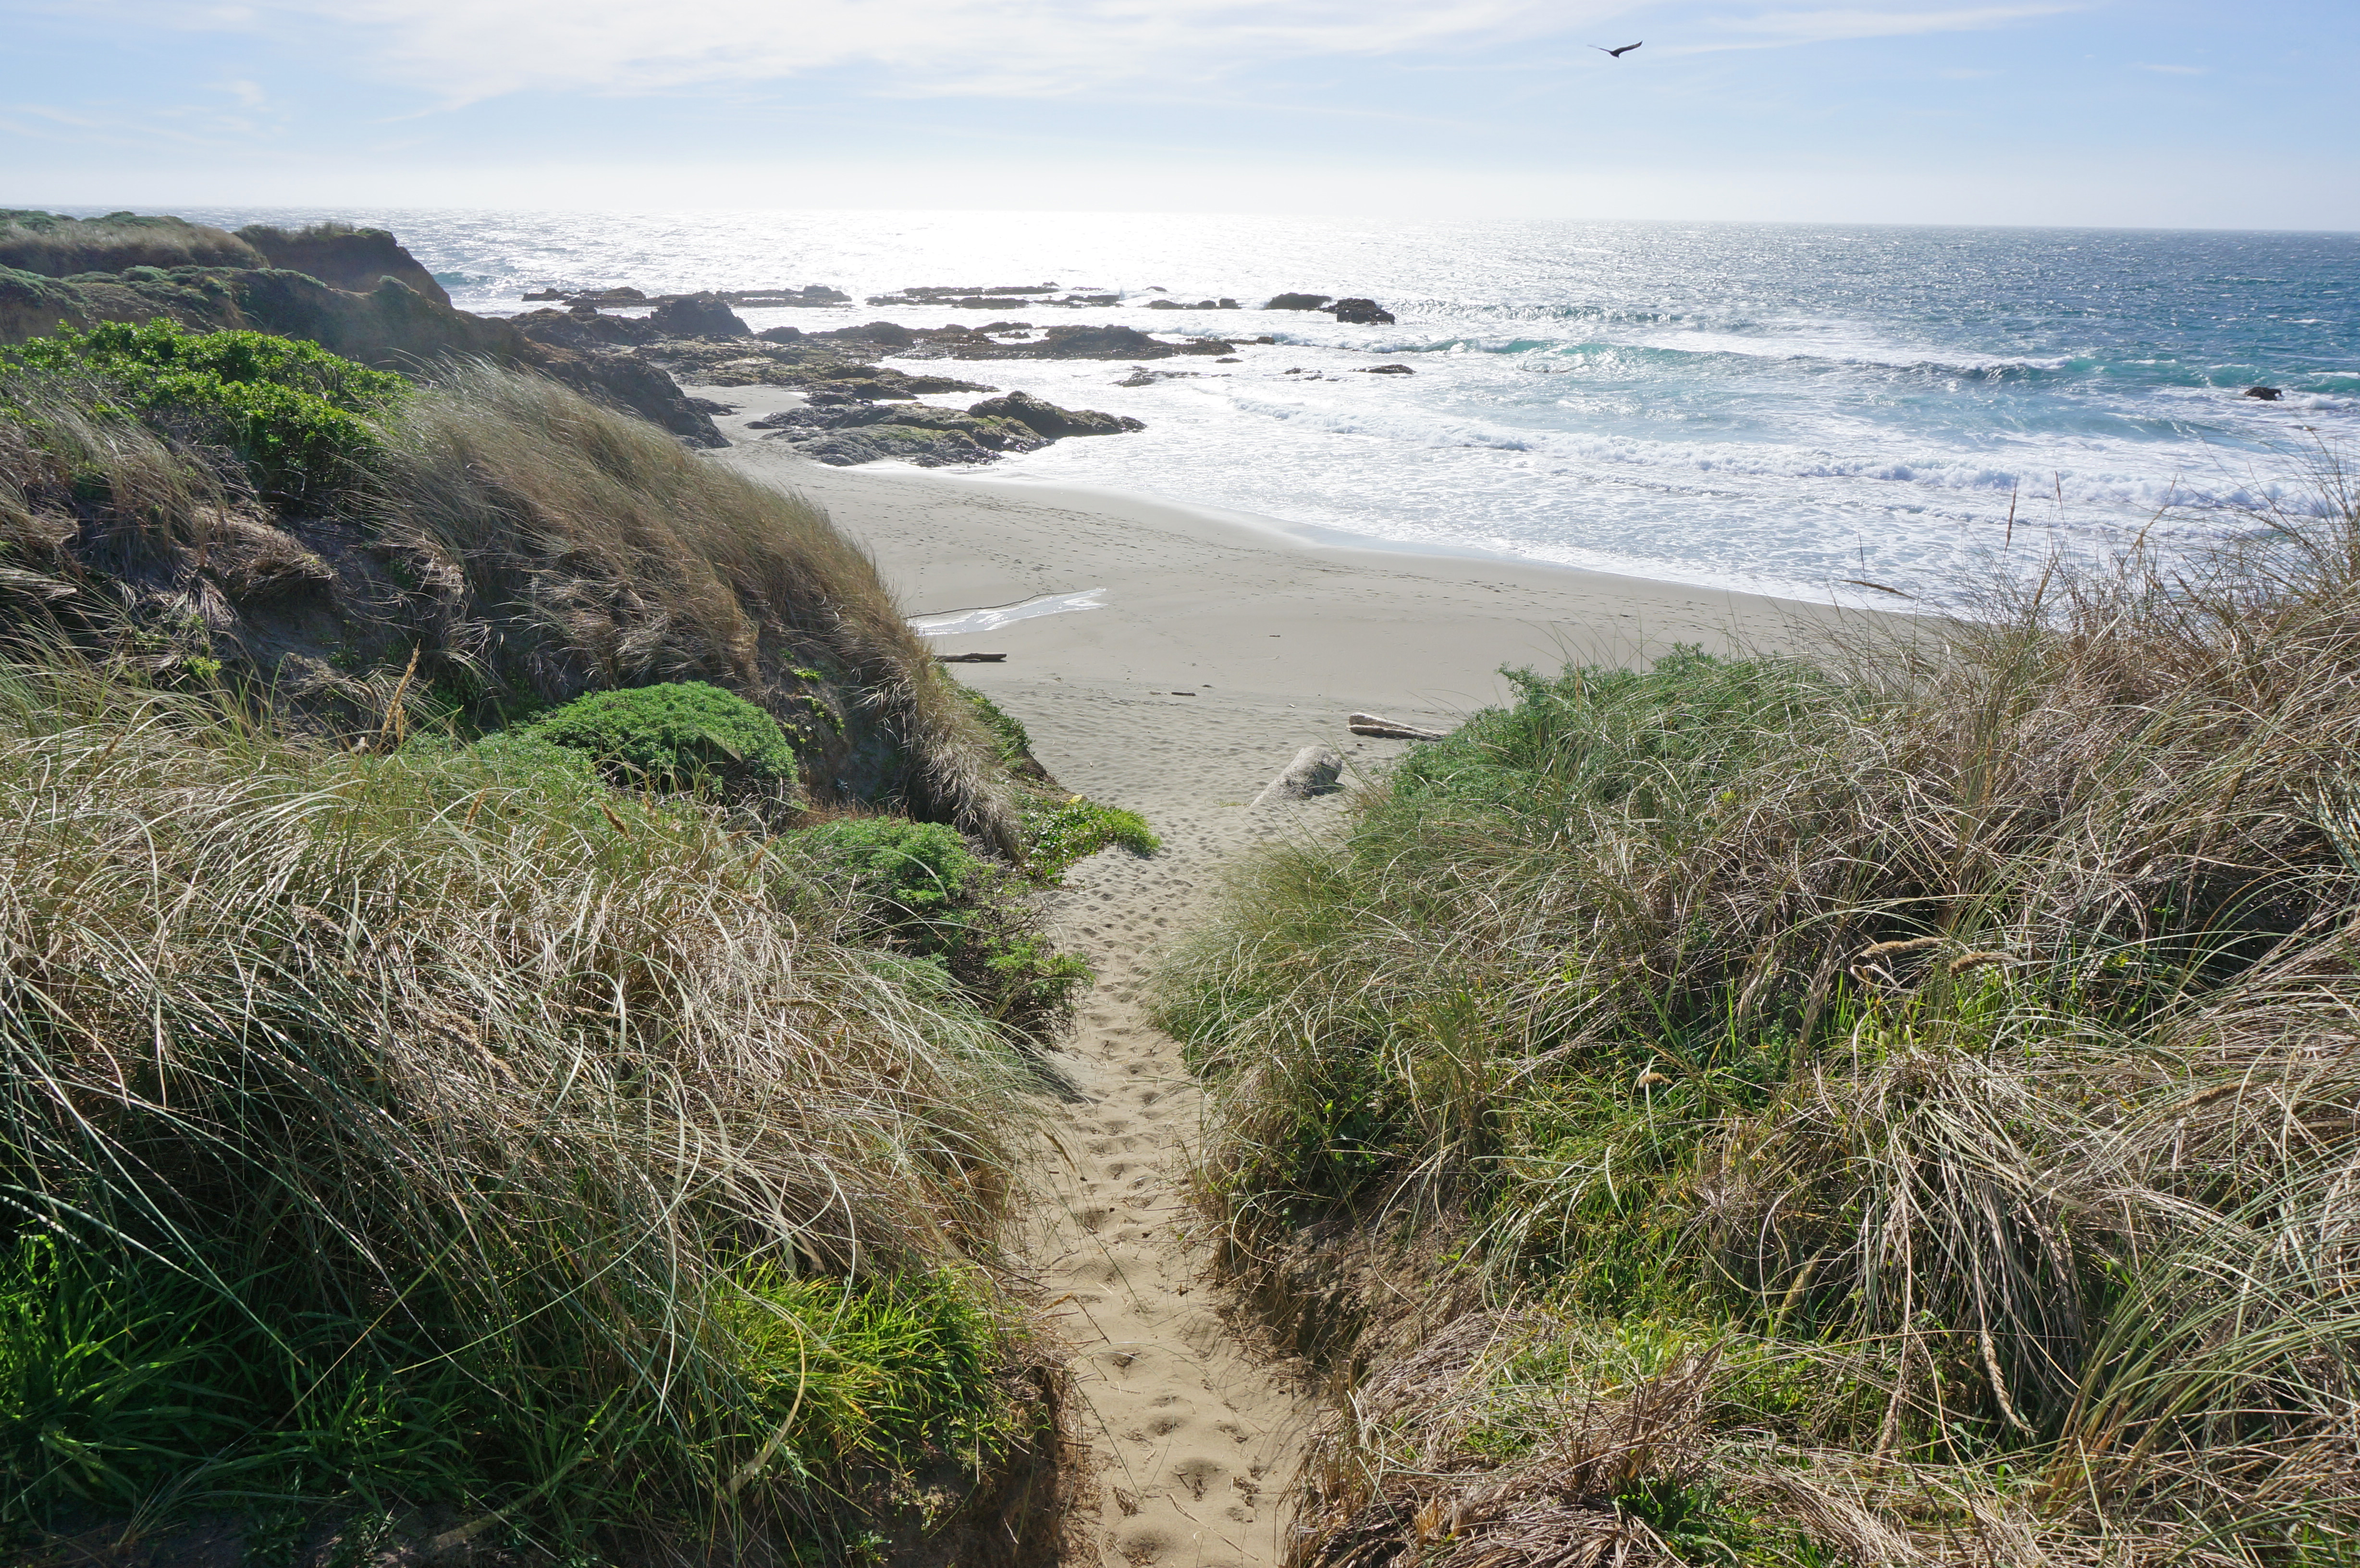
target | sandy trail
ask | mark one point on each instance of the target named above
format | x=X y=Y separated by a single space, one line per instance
x=1223 y=647
x=1196 y=1438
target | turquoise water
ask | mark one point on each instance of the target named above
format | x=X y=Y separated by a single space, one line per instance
x=1800 y=409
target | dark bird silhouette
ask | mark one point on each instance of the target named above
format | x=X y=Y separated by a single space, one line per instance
x=1618 y=54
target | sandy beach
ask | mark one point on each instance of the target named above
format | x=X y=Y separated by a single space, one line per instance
x=1223 y=646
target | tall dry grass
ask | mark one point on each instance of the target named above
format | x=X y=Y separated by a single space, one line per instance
x=583 y=548
x=1945 y=1039
x=399 y=1130
x=536 y=545
x=56 y=246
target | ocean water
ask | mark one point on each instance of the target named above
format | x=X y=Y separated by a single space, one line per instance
x=1803 y=409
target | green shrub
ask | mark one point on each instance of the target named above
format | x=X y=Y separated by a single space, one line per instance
x=905 y=876
x=1057 y=833
x=295 y=414
x=683 y=735
x=918 y=884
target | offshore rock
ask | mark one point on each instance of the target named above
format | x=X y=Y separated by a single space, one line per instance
x=1085 y=342
x=2266 y=394
x=1298 y=302
x=1046 y=418
x=1367 y=311
x=698 y=316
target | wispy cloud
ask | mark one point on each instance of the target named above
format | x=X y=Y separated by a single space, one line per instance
x=461 y=50
x=2174 y=69
x=1786 y=30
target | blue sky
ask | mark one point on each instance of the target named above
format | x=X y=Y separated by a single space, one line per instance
x=2135 y=112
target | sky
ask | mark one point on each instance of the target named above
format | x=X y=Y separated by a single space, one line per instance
x=2137 y=113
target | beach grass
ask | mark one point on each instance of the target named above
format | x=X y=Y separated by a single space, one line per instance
x=1879 y=1106
x=387 y=1131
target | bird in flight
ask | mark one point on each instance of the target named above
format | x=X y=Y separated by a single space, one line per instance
x=1618 y=54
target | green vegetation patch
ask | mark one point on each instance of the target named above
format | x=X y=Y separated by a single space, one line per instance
x=920 y=886
x=297 y=416
x=498 y=1145
x=681 y=735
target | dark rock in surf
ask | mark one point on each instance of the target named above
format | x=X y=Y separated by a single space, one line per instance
x=1386 y=370
x=1298 y=302
x=1045 y=418
x=1361 y=313
x=2266 y=394
x=698 y=316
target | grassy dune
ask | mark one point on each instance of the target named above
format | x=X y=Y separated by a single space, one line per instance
x=486 y=1058
x=1893 y=1106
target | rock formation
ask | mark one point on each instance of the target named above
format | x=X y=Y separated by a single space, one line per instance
x=1361 y=311
x=342 y=257
x=697 y=316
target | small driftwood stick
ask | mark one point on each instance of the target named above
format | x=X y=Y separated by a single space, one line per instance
x=970 y=658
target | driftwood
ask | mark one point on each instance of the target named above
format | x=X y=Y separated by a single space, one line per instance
x=970 y=658
x=1389 y=729
x=1314 y=771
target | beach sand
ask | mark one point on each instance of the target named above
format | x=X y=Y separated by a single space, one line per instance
x=1194 y=1434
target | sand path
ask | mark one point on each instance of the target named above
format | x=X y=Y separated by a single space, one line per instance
x=1222 y=649
x=1194 y=1437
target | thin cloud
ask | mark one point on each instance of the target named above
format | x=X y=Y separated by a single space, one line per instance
x=1786 y=30
x=464 y=51
x=2174 y=69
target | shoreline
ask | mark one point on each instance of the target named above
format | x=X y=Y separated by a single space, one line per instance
x=1249 y=610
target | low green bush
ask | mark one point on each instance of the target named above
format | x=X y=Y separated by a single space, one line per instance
x=682 y=736
x=1060 y=833
x=297 y=416
x=919 y=885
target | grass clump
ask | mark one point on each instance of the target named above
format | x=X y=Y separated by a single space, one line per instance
x=1947 y=1035
x=921 y=887
x=386 y=1132
x=680 y=736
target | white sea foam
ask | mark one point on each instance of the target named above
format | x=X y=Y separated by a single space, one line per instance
x=961 y=623
x=1779 y=406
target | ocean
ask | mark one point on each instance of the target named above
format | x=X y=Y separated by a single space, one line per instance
x=1838 y=413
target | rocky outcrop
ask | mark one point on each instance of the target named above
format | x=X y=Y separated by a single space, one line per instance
x=1084 y=343
x=1046 y=418
x=342 y=257
x=391 y=327
x=847 y=433
x=584 y=327
x=2266 y=394
x=998 y=296
x=1386 y=370
x=1354 y=309
x=811 y=297
x=698 y=316
x=48 y=245
x=1224 y=303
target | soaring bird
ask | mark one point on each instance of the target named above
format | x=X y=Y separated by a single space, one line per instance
x=1618 y=54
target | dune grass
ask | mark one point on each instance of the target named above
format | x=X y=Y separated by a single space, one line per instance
x=165 y=494
x=388 y=1133
x=57 y=246
x=1885 y=1106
